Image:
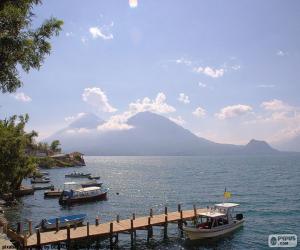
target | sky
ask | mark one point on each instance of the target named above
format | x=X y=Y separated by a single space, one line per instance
x=226 y=70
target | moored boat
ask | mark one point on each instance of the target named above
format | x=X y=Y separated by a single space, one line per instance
x=91 y=184
x=77 y=175
x=52 y=193
x=215 y=222
x=80 y=195
x=63 y=221
x=42 y=187
x=39 y=180
x=94 y=177
x=24 y=190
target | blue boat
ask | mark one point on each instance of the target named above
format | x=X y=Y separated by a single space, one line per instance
x=63 y=221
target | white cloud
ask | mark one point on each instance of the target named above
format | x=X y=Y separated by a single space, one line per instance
x=199 y=112
x=281 y=53
x=78 y=130
x=133 y=3
x=97 y=98
x=178 y=120
x=74 y=117
x=157 y=105
x=83 y=39
x=99 y=32
x=184 y=61
x=202 y=85
x=276 y=105
x=183 y=98
x=22 y=97
x=69 y=33
x=236 y=67
x=266 y=86
x=233 y=111
x=211 y=72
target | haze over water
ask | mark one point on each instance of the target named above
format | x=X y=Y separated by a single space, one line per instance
x=267 y=187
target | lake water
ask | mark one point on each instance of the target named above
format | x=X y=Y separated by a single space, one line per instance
x=266 y=187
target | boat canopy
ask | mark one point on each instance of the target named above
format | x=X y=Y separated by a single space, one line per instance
x=211 y=214
x=87 y=189
x=227 y=205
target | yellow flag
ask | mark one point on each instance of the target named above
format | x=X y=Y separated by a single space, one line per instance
x=227 y=195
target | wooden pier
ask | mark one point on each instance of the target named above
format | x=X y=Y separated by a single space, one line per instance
x=109 y=230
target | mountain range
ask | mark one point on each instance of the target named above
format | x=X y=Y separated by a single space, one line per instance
x=151 y=134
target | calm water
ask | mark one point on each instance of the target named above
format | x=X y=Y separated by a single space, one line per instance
x=266 y=187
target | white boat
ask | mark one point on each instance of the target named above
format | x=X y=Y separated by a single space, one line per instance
x=215 y=222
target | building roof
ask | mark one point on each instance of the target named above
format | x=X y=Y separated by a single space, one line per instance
x=227 y=205
x=211 y=214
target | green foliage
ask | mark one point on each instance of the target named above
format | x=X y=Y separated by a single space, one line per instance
x=19 y=44
x=47 y=162
x=55 y=146
x=15 y=163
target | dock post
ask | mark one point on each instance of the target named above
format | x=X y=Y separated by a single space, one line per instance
x=111 y=229
x=195 y=214
x=149 y=230
x=151 y=212
x=118 y=218
x=97 y=221
x=180 y=222
x=57 y=224
x=38 y=238
x=68 y=237
x=166 y=210
x=19 y=228
x=30 y=227
x=178 y=208
x=133 y=216
x=166 y=227
x=88 y=229
x=131 y=232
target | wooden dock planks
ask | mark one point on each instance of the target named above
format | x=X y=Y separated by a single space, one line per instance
x=103 y=230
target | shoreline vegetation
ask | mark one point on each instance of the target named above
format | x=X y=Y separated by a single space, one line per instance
x=22 y=157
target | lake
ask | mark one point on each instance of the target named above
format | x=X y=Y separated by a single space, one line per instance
x=267 y=187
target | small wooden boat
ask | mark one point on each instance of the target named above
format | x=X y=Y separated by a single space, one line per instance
x=52 y=193
x=215 y=222
x=24 y=190
x=72 y=220
x=69 y=197
x=94 y=177
x=45 y=173
x=39 y=180
x=43 y=187
x=77 y=175
x=91 y=184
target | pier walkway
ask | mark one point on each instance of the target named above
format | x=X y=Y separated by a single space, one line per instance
x=104 y=230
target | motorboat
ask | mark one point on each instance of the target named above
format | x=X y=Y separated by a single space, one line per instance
x=39 y=180
x=80 y=195
x=63 y=221
x=94 y=177
x=43 y=187
x=77 y=175
x=215 y=222
x=93 y=183
x=52 y=193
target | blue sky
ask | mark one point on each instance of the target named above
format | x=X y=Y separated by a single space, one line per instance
x=226 y=70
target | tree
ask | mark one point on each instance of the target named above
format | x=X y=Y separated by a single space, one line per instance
x=55 y=146
x=15 y=163
x=19 y=44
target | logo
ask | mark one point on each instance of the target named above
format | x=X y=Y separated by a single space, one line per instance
x=282 y=240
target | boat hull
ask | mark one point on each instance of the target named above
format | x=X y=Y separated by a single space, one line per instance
x=198 y=234
x=69 y=201
x=52 y=194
